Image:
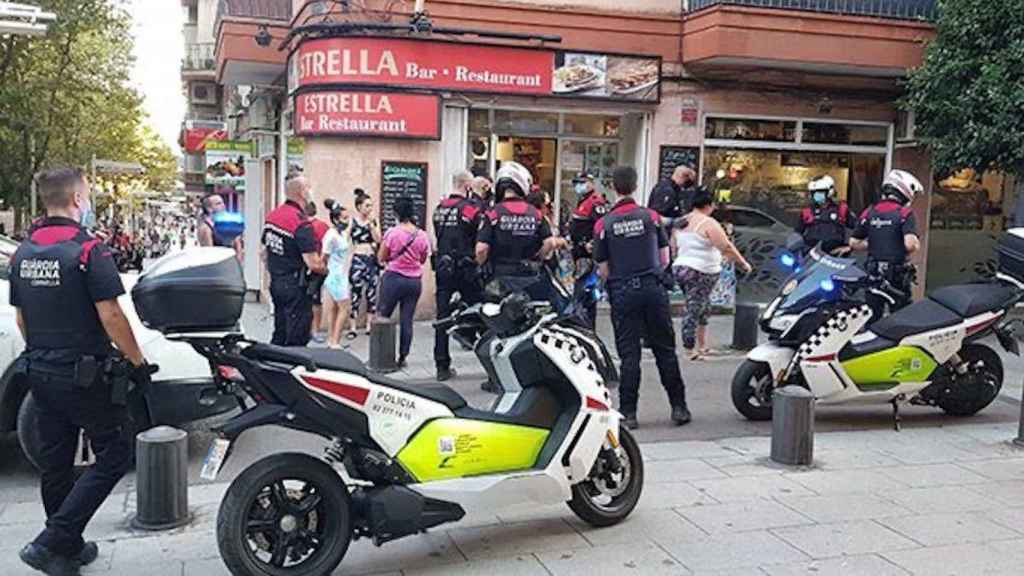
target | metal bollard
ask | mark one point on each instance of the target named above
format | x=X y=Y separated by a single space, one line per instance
x=793 y=426
x=161 y=456
x=1019 y=440
x=383 y=345
x=744 y=326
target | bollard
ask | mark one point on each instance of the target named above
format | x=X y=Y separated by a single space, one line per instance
x=744 y=326
x=1019 y=440
x=383 y=345
x=161 y=456
x=793 y=426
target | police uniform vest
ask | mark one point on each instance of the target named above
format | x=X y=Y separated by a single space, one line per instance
x=49 y=284
x=590 y=209
x=515 y=231
x=886 y=224
x=287 y=235
x=825 y=224
x=455 y=224
x=629 y=238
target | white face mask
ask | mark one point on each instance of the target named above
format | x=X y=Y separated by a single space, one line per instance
x=86 y=215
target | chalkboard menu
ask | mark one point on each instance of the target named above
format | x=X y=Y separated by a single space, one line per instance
x=398 y=179
x=672 y=156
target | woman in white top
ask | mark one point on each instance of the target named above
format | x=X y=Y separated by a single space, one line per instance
x=337 y=249
x=699 y=249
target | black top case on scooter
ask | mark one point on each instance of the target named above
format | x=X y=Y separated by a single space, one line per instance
x=198 y=290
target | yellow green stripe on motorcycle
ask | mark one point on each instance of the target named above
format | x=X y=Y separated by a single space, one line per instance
x=455 y=448
x=899 y=364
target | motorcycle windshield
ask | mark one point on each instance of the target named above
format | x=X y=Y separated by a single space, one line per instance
x=821 y=279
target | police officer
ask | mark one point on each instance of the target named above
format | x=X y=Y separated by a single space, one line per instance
x=590 y=207
x=514 y=237
x=827 y=219
x=291 y=249
x=64 y=288
x=888 y=232
x=632 y=250
x=671 y=196
x=456 y=220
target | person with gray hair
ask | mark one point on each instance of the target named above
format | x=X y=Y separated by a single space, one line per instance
x=292 y=249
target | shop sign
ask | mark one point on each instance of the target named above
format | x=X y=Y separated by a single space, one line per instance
x=364 y=113
x=197 y=135
x=402 y=180
x=225 y=163
x=462 y=67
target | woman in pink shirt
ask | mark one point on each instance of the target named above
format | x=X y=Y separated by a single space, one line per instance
x=403 y=251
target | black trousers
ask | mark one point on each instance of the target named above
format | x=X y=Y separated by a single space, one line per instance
x=640 y=307
x=293 y=311
x=70 y=505
x=897 y=276
x=467 y=287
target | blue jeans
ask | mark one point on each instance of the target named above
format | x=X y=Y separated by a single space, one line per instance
x=398 y=290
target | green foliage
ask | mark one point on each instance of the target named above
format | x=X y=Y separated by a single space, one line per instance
x=66 y=96
x=968 y=96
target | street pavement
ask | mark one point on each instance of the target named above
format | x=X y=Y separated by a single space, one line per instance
x=925 y=501
x=876 y=502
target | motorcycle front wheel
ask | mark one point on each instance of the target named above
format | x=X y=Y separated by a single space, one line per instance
x=752 y=388
x=286 y=515
x=613 y=488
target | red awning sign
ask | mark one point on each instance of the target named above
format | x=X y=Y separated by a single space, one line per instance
x=366 y=113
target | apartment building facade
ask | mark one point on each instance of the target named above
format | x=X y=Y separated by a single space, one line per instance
x=759 y=96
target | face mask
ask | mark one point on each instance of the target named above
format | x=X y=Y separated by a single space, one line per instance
x=86 y=216
x=342 y=225
x=819 y=197
x=581 y=188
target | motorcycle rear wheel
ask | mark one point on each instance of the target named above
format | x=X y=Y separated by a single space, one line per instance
x=752 y=390
x=285 y=508
x=603 y=500
x=984 y=362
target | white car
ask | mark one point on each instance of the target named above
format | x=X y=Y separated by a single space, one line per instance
x=184 y=390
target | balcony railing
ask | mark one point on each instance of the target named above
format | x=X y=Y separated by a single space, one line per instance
x=895 y=9
x=276 y=10
x=199 y=57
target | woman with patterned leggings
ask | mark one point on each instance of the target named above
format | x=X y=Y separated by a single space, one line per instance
x=364 y=275
x=700 y=249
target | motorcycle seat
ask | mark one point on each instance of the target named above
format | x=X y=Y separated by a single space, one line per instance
x=341 y=361
x=919 y=317
x=969 y=300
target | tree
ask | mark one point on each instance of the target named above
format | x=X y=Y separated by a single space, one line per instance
x=968 y=96
x=66 y=97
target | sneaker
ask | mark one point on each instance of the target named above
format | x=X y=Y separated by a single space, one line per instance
x=89 y=553
x=319 y=338
x=402 y=363
x=45 y=561
x=681 y=415
x=630 y=421
x=445 y=374
x=488 y=386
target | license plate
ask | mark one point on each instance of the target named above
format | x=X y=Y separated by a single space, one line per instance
x=215 y=458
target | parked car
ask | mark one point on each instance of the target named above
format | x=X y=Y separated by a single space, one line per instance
x=761 y=238
x=184 y=390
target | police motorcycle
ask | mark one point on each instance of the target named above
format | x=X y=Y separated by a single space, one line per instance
x=400 y=458
x=929 y=353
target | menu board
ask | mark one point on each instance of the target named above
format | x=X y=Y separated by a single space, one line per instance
x=672 y=156
x=398 y=179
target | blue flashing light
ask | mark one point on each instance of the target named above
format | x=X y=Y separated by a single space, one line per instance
x=828 y=285
x=787 y=260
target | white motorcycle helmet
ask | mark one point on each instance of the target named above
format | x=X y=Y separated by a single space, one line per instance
x=902 y=186
x=513 y=175
x=824 y=185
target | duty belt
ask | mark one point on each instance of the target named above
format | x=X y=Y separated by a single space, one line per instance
x=634 y=283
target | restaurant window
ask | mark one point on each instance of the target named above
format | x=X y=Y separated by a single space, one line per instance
x=525 y=122
x=591 y=125
x=762 y=192
x=968 y=214
x=750 y=129
x=479 y=121
x=844 y=134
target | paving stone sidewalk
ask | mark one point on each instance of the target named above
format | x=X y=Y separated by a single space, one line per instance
x=921 y=501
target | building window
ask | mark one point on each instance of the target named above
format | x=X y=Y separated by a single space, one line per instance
x=750 y=129
x=845 y=134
